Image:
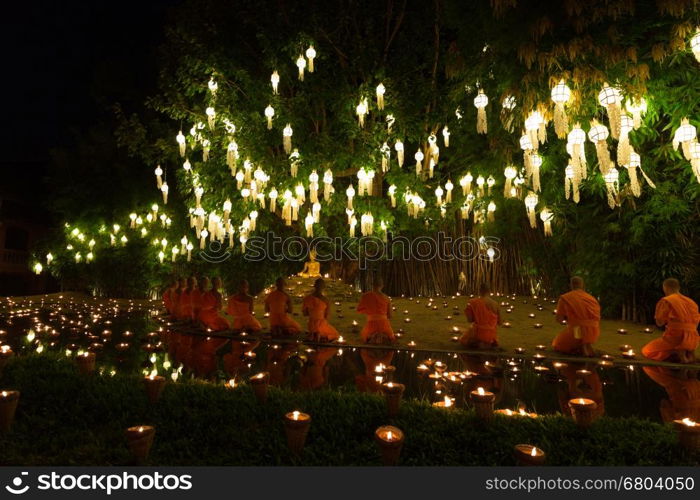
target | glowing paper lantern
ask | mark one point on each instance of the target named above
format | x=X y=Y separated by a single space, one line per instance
x=386 y=155
x=275 y=80
x=623 y=146
x=419 y=157
x=490 y=182
x=694 y=158
x=301 y=66
x=389 y=122
x=327 y=184
x=392 y=195
x=380 y=96
x=311 y=55
x=448 y=188
x=287 y=138
x=350 y=193
x=546 y=216
x=273 y=200
x=232 y=156
x=206 y=146
x=269 y=113
x=480 y=102
x=313 y=186
x=530 y=203
x=480 y=181
x=446 y=136
x=598 y=135
x=180 y=138
x=636 y=107
x=695 y=45
x=491 y=211
x=507 y=105
x=571 y=182
x=510 y=172
x=164 y=191
x=361 y=110
x=367 y=224
x=561 y=94
x=159 y=176
x=466 y=183
x=309 y=224
x=211 y=116
x=611 y=99
x=438 y=195
x=684 y=135
x=612 y=177
x=535 y=128
x=576 y=149
x=535 y=164
x=399 y=152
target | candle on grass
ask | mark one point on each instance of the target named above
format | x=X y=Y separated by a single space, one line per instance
x=140 y=439
x=154 y=387
x=688 y=433
x=86 y=362
x=392 y=394
x=483 y=403
x=5 y=354
x=528 y=455
x=628 y=354
x=260 y=383
x=447 y=402
x=390 y=441
x=296 y=427
x=8 y=406
x=583 y=411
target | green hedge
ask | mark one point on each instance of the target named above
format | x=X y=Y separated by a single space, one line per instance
x=65 y=418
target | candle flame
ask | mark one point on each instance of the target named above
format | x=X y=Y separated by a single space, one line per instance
x=295 y=415
x=533 y=452
x=389 y=436
x=4 y=394
x=480 y=391
x=379 y=368
x=232 y=383
x=140 y=428
x=581 y=401
x=448 y=401
x=689 y=422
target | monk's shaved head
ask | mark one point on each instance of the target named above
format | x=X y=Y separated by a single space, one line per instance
x=576 y=282
x=377 y=283
x=279 y=282
x=319 y=284
x=484 y=289
x=672 y=285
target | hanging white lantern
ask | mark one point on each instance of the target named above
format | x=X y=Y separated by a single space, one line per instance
x=561 y=94
x=350 y=193
x=535 y=164
x=389 y=122
x=611 y=99
x=507 y=116
x=438 y=195
x=636 y=107
x=159 y=176
x=190 y=247
x=694 y=159
x=269 y=113
x=571 y=182
x=623 y=146
x=695 y=44
x=198 y=192
x=327 y=185
x=353 y=223
x=361 y=110
x=530 y=203
x=612 y=185
x=491 y=211
x=187 y=165
x=182 y=143
x=362 y=182
x=399 y=152
x=132 y=219
x=380 y=96
x=300 y=194
x=213 y=86
x=446 y=136
x=164 y=190
x=287 y=138
x=232 y=155
x=239 y=179
x=253 y=216
x=273 y=199
x=448 y=188
x=634 y=162
x=301 y=66
x=534 y=126
x=294 y=159
x=206 y=146
x=419 y=157
x=466 y=183
x=480 y=181
x=510 y=172
x=490 y=182
x=392 y=195
x=576 y=149
x=313 y=186
x=311 y=55
x=309 y=224
x=203 y=239
x=684 y=135
x=275 y=81
x=546 y=216
x=211 y=116
x=316 y=209
x=598 y=135
x=480 y=102
x=385 y=151
x=527 y=147
x=367 y=224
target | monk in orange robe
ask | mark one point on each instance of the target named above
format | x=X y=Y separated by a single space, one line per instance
x=211 y=305
x=170 y=296
x=679 y=314
x=279 y=305
x=177 y=298
x=683 y=390
x=485 y=316
x=190 y=300
x=377 y=307
x=316 y=307
x=582 y=314
x=240 y=306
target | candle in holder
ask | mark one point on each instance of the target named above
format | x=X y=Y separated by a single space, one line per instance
x=411 y=344
x=539 y=356
x=648 y=330
x=260 y=383
x=355 y=326
x=622 y=331
x=528 y=455
x=583 y=411
x=537 y=325
x=5 y=354
x=393 y=393
x=86 y=362
x=520 y=350
x=625 y=347
x=540 y=347
x=447 y=402
x=607 y=357
x=390 y=441
x=629 y=354
x=506 y=324
x=8 y=406
x=559 y=365
x=296 y=427
x=422 y=368
x=154 y=387
x=483 y=403
x=688 y=433
x=531 y=315
x=140 y=440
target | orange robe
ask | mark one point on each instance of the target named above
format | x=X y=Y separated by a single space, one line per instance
x=680 y=314
x=376 y=307
x=243 y=319
x=582 y=313
x=185 y=305
x=175 y=297
x=484 y=327
x=168 y=300
x=203 y=360
x=318 y=324
x=209 y=312
x=277 y=305
x=313 y=375
x=683 y=393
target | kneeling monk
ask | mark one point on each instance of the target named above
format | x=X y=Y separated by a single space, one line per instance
x=484 y=314
x=679 y=314
x=316 y=307
x=279 y=304
x=240 y=306
x=211 y=306
x=582 y=314
x=377 y=307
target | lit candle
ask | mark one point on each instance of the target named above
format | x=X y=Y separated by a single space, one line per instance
x=411 y=344
x=537 y=325
x=86 y=362
x=296 y=427
x=483 y=403
x=8 y=406
x=390 y=441
x=520 y=350
x=622 y=331
x=583 y=411
x=154 y=387
x=260 y=383
x=392 y=394
x=528 y=455
x=140 y=440
x=629 y=354
x=447 y=402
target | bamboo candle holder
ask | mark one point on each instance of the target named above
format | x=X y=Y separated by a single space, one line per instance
x=86 y=362
x=8 y=407
x=390 y=441
x=154 y=387
x=296 y=427
x=393 y=393
x=260 y=383
x=140 y=440
x=583 y=411
x=528 y=455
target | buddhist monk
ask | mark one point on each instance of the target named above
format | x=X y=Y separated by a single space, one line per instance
x=485 y=316
x=582 y=314
x=186 y=300
x=683 y=389
x=316 y=307
x=177 y=299
x=211 y=306
x=679 y=315
x=170 y=295
x=279 y=305
x=240 y=306
x=377 y=307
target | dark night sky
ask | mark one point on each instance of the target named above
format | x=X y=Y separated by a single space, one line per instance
x=65 y=62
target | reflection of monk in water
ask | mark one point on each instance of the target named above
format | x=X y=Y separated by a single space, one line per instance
x=578 y=385
x=276 y=364
x=315 y=372
x=203 y=357
x=683 y=388
x=372 y=358
x=236 y=362
x=487 y=374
